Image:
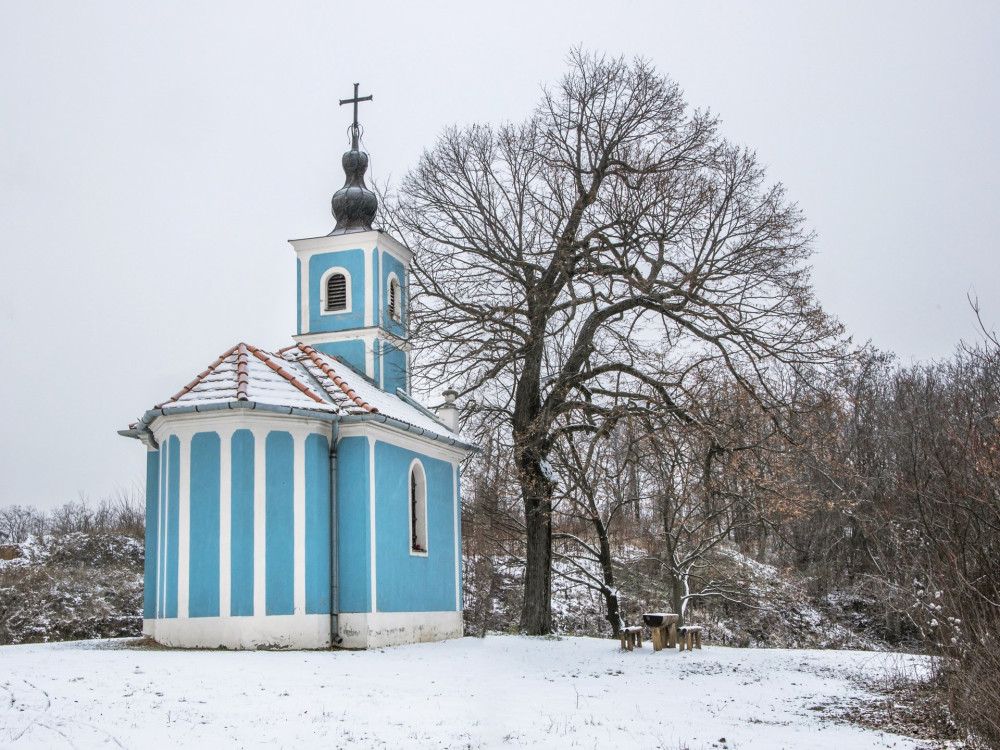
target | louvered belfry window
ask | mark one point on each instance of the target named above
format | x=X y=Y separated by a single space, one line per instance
x=336 y=292
x=394 y=302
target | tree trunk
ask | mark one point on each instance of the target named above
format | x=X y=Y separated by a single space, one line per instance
x=610 y=597
x=676 y=592
x=536 y=612
x=536 y=489
x=677 y=595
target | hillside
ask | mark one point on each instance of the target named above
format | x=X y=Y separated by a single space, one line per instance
x=70 y=586
x=89 y=585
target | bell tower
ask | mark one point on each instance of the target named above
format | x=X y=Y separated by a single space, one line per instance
x=353 y=284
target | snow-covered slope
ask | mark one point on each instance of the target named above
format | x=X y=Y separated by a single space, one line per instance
x=468 y=693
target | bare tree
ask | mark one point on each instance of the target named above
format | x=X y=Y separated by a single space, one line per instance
x=17 y=523
x=587 y=259
x=598 y=482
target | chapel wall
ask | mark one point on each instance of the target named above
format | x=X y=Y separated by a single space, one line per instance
x=409 y=581
x=239 y=528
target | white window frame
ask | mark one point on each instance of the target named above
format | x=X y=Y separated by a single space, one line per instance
x=398 y=318
x=417 y=470
x=323 y=282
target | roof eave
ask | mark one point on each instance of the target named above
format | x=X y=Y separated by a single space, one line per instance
x=405 y=426
x=142 y=426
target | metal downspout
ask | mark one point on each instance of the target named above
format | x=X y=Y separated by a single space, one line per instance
x=335 y=638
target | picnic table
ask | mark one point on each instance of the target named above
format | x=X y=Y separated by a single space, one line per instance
x=664 y=628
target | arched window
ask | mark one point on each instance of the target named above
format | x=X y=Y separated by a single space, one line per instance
x=336 y=290
x=418 y=509
x=395 y=299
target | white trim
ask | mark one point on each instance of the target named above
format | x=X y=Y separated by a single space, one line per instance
x=184 y=529
x=348 y=297
x=258 y=631
x=396 y=249
x=456 y=478
x=381 y=364
x=402 y=439
x=304 y=295
x=368 y=334
x=161 y=551
x=371 y=511
x=368 y=286
x=259 y=521
x=421 y=485
x=308 y=246
x=377 y=630
x=190 y=423
x=299 y=523
x=370 y=359
x=225 y=521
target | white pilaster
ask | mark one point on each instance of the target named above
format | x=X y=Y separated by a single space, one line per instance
x=304 y=295
x=458 y=543
x=184 y=527
x=299 y=520
x=368 y=285
x=381 y=365
x=225 y=521
x=259 y=521
x=161 y=542
x=371 y=511
x=370 y=358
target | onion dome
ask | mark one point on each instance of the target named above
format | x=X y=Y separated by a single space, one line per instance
x=354 y=205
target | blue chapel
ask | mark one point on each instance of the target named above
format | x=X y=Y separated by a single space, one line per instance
x=302 y=498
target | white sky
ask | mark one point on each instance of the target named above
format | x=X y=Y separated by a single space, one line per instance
x=154 y=158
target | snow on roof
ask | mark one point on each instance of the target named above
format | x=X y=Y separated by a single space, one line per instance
x=299 y=377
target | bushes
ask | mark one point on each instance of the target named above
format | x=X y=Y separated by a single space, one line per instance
x=73 y=573
x=45 y=600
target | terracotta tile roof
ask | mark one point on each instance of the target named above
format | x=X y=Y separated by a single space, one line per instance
x=247 y=373
x=265 y=357
x=199 y=378
x=316 y=358
x=300 y=377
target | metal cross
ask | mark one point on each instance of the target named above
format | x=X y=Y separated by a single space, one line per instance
x=355 y=128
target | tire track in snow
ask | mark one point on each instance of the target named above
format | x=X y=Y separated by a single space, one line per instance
x=33 y=709
x=6 y=686
x=33 y=706
x=94 y=737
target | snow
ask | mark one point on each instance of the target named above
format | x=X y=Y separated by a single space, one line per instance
x=266 y=386
x=501 y=691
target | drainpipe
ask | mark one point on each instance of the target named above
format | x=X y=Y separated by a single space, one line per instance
x=335 y=638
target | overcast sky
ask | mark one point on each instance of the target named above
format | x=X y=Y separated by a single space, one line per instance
x=155 y=158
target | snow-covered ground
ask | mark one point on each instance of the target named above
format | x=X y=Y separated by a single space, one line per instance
x=501 y=691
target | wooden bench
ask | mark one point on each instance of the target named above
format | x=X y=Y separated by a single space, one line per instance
x=664 y=628
x=631 y=637
x=688 y=634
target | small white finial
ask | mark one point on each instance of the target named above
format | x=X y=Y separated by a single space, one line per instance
x=448 y=411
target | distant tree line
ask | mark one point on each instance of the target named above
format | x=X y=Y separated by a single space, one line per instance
x=123 y=512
